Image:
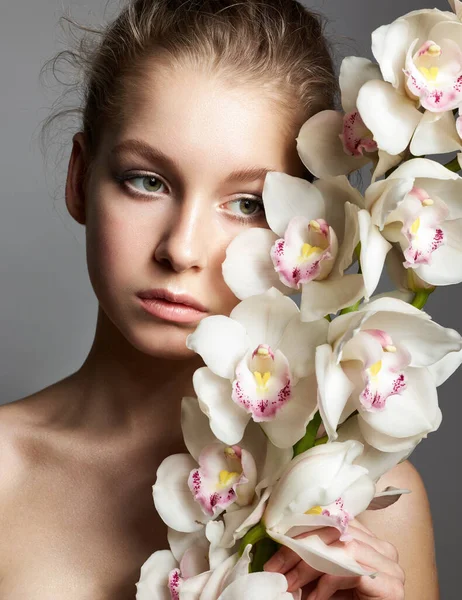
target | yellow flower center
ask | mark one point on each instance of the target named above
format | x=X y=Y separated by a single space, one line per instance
x=390 y=348
x=375 y=368
x=430 y=73
x=229 y=452
x=316 y=510
x=315 y=225
x=307 y=250
x=415 y=226
x=262 y=380
x=262 y=351
x=225 y=477
x=434 y=50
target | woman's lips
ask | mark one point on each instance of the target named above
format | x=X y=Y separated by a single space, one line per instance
x=168 y=310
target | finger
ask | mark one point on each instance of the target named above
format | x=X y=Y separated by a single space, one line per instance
x=363 y=553
x=383 y=586
x=382 y=546
x=285 y=558
x=371 y=558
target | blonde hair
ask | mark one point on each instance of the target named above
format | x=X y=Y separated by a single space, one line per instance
x=278 y=45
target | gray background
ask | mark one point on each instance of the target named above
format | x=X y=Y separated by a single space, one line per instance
x=48 y=309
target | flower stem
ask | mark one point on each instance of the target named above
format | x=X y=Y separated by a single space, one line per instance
x=453 y=165
x=254 y=535
x=322 y=440
x=264 y=550
x=421 y=298
x=308 y=440
x=350 y=309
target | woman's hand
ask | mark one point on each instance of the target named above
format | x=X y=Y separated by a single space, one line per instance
x=365 y=547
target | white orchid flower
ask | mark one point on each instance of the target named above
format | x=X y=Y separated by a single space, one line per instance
x=260 y=366
x=320 y=488
x=311 y=243
x=375 y=461
x=333 y=143
x=385 y=361
x=185 y=569
x=163 y=579
x=418 y=208
x=420 y=58
x=192 y=489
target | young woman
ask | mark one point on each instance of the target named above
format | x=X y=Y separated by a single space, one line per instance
x=187 y=104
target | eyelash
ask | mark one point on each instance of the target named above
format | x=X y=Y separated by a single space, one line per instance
x=122 y=180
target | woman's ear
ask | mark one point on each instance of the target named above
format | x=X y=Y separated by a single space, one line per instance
x=76 y=174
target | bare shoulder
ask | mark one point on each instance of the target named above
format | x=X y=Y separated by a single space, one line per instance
x=407 y=524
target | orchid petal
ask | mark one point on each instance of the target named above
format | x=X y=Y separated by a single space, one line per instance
x=346 y=255
x=393 y=305
x=290 y=424
x=391 y=42
x=227 y=419
x=285 y=197
x=195 y=427
x=391 y=444
x=386 y=498
x=391 y=117
x=239 y=522
x=154 y=573
x=435 y=134
x=192 y=587
x=330 y=295
x=410 y=413
x=424 y=168
x=389 y=46
x=385 y=162
x=374 y=248
x=214 y=585
x=221 y=342
x=258 y=586
x=354 y=73
x=320 y=147
x=445 y=367
x=265 y=317
x=376 y=462
x=298 y=344
x=172 y=497
x=322 y=557
x=194 y=562
x=317 y=477
x=426 y=341
x=358 y=495
x=179 y=541
x=334 y=389
x=248 y=269
x=445 y=266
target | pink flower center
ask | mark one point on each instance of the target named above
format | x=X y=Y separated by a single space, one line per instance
x=307 y=252
x=356 y=137
x=263 y=383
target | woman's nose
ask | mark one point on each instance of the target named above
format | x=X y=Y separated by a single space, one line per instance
x=186 y=239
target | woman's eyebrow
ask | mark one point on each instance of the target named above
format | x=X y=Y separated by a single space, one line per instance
x=152 y=154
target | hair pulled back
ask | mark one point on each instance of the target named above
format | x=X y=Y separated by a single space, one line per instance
x=278 y=45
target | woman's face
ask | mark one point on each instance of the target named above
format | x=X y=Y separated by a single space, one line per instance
x=170 y=188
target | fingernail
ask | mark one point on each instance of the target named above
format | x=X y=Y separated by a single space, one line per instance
x=274 y=563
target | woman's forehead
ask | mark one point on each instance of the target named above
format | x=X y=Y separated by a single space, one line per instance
x=191 y=114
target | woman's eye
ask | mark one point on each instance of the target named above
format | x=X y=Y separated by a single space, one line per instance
x=247 y=207
x=148 y=184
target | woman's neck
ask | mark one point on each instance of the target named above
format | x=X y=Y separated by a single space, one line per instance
x=121 y=392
